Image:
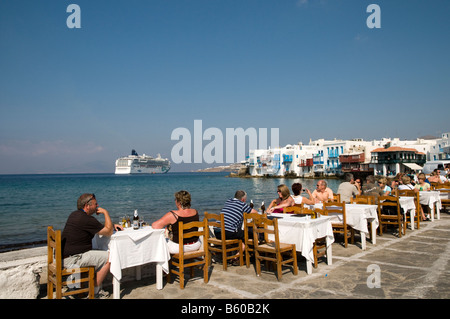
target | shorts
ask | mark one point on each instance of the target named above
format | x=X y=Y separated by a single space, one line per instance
x=174 y=248
x=95 y=258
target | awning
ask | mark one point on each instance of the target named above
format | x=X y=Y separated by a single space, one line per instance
x=413 y=166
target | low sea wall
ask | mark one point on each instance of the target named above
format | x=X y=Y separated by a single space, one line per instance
x=21 y=272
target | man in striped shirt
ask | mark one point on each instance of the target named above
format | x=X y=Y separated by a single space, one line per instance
x=233 y=211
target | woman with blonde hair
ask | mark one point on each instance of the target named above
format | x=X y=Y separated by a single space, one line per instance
x=183 y=213
x=422 y=185
x=284 y=200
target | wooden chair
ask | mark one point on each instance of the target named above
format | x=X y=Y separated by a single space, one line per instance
x=336 y=198
x=340 y=227
x=434 y=185
x=56 y=273
x=272 y=251
x=363 y=199
x=444 y=190
x=300 y=210
x=389 y=203
x=407 y=217
x=183 y=260
x=320 y=244
x=249 y=245
x=293 y=209
x=308 y=212
x=223 y=246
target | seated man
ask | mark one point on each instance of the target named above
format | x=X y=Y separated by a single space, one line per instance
x=76 y=239
x=322 y=193
x=371 y=188
x=233 y=214
x=348 y=189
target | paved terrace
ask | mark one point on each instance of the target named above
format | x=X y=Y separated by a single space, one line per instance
x=411 y=267
x=414 y=266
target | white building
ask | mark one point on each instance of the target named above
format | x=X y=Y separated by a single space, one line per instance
x=322 y=157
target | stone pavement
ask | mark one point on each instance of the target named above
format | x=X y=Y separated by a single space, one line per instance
x=411 y=267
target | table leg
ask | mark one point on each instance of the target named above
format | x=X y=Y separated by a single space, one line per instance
x=329 y=252
x=116 y=288
x=432 y=212
x=411 y=216
x=138 y=272
x=374 y=232
x=308 y=267
x=363 y=240
x=159 y=276
x=438 y=210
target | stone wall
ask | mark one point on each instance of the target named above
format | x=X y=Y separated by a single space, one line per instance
x=23 y=274
x=21 y=278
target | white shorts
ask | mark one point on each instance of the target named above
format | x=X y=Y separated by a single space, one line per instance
x=174 y=248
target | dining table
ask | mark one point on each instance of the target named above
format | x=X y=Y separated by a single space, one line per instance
x=134 y=248
x=358 y=216
x=433 y=200
x=409 y=206
x=303 y=232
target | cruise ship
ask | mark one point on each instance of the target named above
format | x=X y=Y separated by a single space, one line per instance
x=141 y=164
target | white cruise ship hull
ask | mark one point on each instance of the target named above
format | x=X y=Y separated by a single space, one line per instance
x=141 y=164
x=141 y=170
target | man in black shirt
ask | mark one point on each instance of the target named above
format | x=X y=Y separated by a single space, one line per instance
x=81 y=227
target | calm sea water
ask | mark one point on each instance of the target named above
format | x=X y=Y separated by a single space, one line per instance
x=30 y=203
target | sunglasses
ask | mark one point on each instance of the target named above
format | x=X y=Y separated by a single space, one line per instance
x=93 y=197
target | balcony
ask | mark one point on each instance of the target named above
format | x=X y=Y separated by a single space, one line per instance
x=287 y=159
x=355 y=158
x=307 y=163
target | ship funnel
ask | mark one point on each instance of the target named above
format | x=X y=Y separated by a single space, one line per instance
x=133 y=152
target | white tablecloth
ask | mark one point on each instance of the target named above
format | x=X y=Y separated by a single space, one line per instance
x=359 y=214
x=430 y=198
x=303 y=232
x=129 y=248
x=444 y=195
x=408 y=204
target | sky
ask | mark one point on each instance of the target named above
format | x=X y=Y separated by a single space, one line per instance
x=72 y=100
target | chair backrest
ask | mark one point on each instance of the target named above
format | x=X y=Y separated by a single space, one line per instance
x=336 y=197
x=263 y=225
x=308 y=211
x=216 y=221
x=292 y=210
x=370 y=199
x=388 y=201
x=202 y=231
x=434 y=185
x=299 y=209
x=406 y=192
x=410 y=193
x=248 y=219
x=333 y=207
x=320 y=211
x=363 y=199
x=54 y=254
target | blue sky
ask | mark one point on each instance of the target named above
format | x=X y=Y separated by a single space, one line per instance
x=73 y=100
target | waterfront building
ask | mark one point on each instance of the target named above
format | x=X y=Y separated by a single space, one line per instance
x=392 y=160
x=335 y=157
x=441 y=149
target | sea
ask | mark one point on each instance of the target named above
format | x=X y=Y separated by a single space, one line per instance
x=31 y=203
